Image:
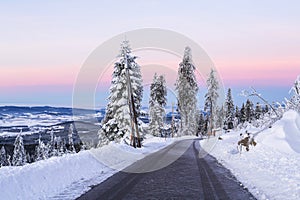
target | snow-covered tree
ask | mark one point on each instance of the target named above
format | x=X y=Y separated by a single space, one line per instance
x=51 y=145
x=29 y=158
x=58 y=146
x=19 y=156
x=158 y=100
x=237 y=113
x=266 y=109
x=220 y=116
x=258 y=111
x=253 y=92
x=229 y=110
x=243 y=116
x=156 y=117
x=187 y=88
x=9 y=160
x=295 y=91
x=202 y=126
x=249 y=111
x=117 y=123
x=236 y=116
x=3 y=158
x=71 y=148
x=41 y=151
x=63 y=147
x=211 y=98
x=158 y=90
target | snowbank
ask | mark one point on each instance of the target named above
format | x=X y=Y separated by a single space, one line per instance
x=69 y=176
x=284 y=136
x=271 y=169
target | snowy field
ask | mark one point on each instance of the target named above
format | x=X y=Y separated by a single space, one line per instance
x=271 y=169
x=34 y=120
x=71 y=175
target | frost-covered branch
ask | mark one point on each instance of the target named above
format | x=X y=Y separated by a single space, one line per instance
x=253 y=92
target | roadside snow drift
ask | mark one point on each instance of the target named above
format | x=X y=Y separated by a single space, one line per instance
x=271 y=169
x=71 y=175
x=284 y=136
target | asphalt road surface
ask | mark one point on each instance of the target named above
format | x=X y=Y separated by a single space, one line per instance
x=189 y=177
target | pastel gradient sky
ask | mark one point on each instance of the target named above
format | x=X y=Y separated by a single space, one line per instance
x=44 y=44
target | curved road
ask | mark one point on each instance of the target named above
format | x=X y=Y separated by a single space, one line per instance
x=189 y=177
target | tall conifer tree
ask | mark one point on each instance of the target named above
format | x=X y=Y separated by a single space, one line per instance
x=211 y=98
x=118 y=122
x=187 y=88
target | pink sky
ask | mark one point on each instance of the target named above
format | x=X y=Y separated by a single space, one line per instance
x=255 y=73
x=252 y=43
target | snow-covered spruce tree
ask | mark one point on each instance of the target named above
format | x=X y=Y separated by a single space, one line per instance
x=258 y=111
x=62 y=147
x=243 y=116
x=117 y=123
x=51 y=145
x=9 y=160
x=220 y=116
x=29 y=158
x=19 y=156
x=249 y=111
x=211 y=98
x=295 y=100
x=57 y=146
x=237 y=115
x=3 y=158
x=229 y=110
x=187 y=88
x=158 y=100
x=253 y=92
x=71 y=148
x=266 y=110
x=41 y=151
x=201 y=124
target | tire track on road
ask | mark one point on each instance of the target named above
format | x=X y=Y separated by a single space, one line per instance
x=186 y=178
x=212 y=188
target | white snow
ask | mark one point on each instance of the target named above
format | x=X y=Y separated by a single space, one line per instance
x=71 y=175
x=29 y=119
x=271 y=169
x=36 y=122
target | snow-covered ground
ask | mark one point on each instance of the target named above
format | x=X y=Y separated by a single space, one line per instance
x=271 y=169
x=71 y=175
